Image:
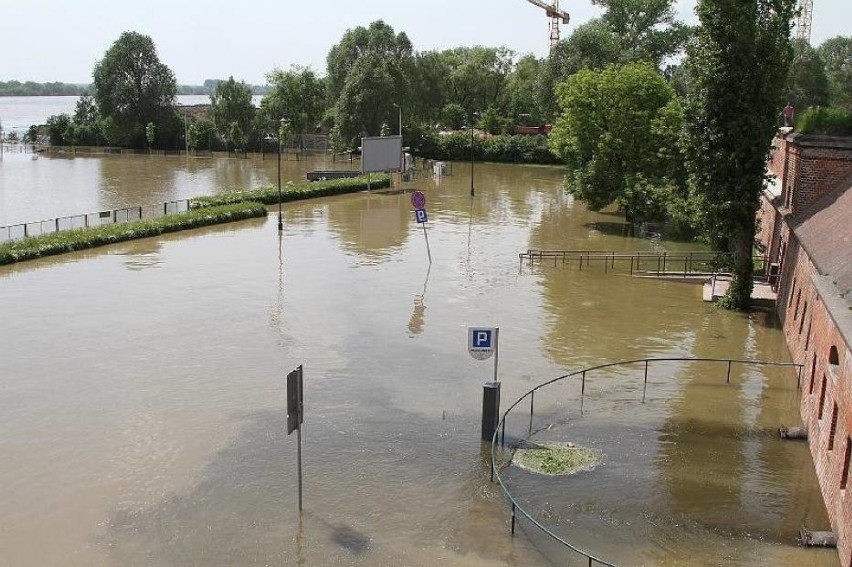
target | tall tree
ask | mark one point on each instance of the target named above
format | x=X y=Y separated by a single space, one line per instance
x=741 y=55
x=362 y=54
x=837 y=55
x=232 y=111
x=133 y=88
x=297 y=95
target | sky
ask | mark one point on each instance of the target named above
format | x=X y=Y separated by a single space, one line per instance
x=62 y=40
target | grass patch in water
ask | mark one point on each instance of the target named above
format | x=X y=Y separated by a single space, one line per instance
x=84 y=238
x=557 y=459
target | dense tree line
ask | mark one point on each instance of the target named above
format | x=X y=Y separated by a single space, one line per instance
x=30 y=88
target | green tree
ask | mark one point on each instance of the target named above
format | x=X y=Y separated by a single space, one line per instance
x=232 y=111
x=32 y=135
x=628 y=31
x=297 y=95
x=807 y=83
x=519 y=99
x=610 y=130
x=57 y=129
x=741 y=55
x=364 y=105
x=368 y=72
x=133 y=88
x=837 y=55
x=453 y=116
x=476 y=76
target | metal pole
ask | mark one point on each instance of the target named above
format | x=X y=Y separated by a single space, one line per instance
x=496 y=350
x=645 y=385
x=428 y=251
x=299 y=461
x=513 y=518
x=729 y=372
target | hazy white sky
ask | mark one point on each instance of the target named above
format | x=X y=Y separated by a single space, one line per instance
x=61 y=40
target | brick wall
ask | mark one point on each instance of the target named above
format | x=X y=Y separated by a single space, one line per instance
x=826 y=404
x=808 y=167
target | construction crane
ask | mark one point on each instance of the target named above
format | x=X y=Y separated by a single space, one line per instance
x=555 y=15
x=803 y=20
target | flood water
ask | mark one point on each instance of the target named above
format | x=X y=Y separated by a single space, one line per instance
x=142 y=389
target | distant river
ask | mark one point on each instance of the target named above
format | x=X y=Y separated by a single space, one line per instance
x=20 y=112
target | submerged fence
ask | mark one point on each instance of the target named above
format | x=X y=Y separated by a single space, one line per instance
x=523 y=412
x=88 y=220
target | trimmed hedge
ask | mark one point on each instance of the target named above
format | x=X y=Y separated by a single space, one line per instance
x=81 y=239
x=290 y=192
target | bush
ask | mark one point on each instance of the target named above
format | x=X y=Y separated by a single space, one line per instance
x=290 y=192
x=829 y=121
x=81 y=239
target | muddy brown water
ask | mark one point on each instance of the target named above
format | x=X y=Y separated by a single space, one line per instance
x=142 y=389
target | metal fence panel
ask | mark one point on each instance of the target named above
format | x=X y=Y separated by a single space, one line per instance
x=100 y=218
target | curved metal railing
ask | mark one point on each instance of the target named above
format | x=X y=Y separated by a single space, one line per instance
x=500 y=433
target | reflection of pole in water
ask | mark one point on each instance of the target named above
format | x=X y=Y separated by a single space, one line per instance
x=418 y=316
x=300 y=555
x=469 y=233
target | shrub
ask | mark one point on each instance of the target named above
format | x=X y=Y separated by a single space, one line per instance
x=829 y=121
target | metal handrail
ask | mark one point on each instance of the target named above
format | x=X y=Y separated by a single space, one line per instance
x=501 y=426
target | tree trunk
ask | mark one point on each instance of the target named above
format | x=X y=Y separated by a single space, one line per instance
x=739 y=294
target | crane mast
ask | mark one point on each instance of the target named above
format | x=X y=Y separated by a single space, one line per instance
x=556 y=17
x=804 y=19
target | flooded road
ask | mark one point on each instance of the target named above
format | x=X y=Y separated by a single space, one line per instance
x=142 y=388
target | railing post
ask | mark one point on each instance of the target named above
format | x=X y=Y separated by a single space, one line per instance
x=664 y=261
x=658 y=266
x=582 y=391
x=532 y=409
x=513 y=518
x=645 y=384
x=631 y=265
x=729 y=372
x=503 y=437
x=57 y=224
x=685 y=264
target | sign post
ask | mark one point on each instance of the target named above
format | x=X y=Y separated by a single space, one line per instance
x=418 y=201
x=482 y=344
x=295 y=417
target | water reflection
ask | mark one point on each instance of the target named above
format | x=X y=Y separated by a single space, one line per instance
x=153 y=431
x=418 y=316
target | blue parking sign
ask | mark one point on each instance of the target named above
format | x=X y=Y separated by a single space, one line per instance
x=420 y=214
x=481 y=342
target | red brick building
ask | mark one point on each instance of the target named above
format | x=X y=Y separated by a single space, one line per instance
x=806 y=229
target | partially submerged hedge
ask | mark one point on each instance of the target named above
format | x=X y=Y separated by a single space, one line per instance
x=81 y=239
x=216 y=209
x=290 y=192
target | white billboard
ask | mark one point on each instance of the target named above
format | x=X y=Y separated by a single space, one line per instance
x=381 y=153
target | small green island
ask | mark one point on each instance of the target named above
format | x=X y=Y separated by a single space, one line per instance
x=557 y=459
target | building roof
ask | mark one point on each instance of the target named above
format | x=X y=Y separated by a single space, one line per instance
x=825 y=232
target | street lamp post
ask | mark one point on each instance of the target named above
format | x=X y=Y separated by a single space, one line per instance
x=281 y=131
